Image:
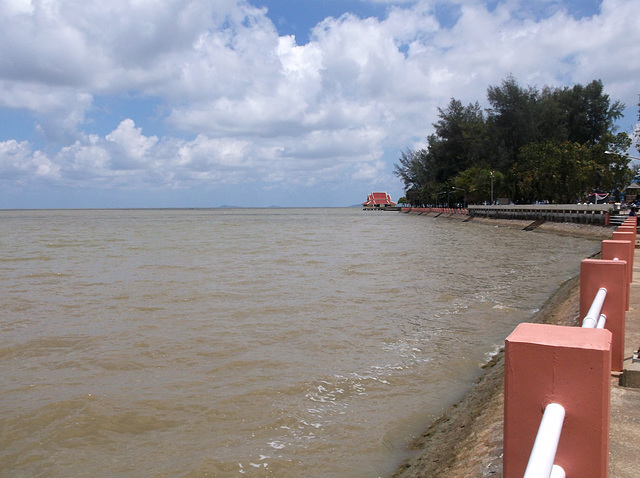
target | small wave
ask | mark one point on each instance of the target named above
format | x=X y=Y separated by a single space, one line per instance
x=46 y=275
x=73 y=421
x=25 y=259
x=48 y=345
x=65 y=244
x=313 y=262
x=491 y=356
x=503 y=307
x=354 y=271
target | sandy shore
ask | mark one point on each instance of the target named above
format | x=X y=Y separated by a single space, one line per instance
x=466 y=441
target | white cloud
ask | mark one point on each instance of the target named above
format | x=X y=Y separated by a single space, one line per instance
x=244 y=104
x=17 y=7
x=130 y=142
x=19 y=164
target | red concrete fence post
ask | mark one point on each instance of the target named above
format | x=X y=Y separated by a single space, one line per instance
x=566 y=365
x=628 y=228
x=611 y=275
x=625 y=236
x=623 y=251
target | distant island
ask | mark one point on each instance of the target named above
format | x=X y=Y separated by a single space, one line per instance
x=227 y=206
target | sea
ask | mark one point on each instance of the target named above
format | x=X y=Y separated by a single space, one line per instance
x=250 y=342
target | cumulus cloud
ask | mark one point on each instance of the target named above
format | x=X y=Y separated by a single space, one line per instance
x=20 y=164
x=243 y=104
x=131 y=146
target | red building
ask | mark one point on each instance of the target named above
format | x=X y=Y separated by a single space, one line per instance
x=378 y=201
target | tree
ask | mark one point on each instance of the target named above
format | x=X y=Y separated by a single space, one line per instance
x=512 y=120
x=556 y=173
x=414 y=197
x=635 y=170
x=460 y=139
x=590 y=115
x=615 y=171
x=416 y=172
x=636 y=130
x=409 y=170
x=477 y=182
x=536 y=142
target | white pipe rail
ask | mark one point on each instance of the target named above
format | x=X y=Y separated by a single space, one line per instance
x=593 y=317
x=545 y=446
x=557 y=472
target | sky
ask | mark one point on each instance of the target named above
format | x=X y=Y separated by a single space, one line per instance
x=203 y=103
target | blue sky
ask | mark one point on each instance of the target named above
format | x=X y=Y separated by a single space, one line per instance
x=194 y=103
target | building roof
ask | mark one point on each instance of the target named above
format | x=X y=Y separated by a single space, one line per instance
x=378 y=199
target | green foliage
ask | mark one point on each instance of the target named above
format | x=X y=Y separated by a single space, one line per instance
x=513 y=120
x=558 y=173
x=460 y=139
x=477 y=183
x=540 y=145
x=636 y=132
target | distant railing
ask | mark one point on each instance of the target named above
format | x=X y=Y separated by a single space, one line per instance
x=435 y=210
x=579 y=213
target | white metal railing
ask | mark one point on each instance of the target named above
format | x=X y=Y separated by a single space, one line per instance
x=594 y=319
x=545 y=446
x=557 y=472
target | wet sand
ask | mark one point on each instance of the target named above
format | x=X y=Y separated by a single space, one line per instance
x=466 y=441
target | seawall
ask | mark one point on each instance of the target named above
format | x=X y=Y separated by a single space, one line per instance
x=466 y=441
x=578 y=213
x=596 y=231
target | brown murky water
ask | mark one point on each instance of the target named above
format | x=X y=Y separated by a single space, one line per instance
x=279 y=342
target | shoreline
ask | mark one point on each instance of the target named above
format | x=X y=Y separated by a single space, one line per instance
x=466 y=440
x=560 y=228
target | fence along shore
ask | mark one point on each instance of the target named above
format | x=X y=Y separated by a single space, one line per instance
x=587 y=378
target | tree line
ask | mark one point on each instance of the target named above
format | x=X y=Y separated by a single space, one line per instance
x=530 y=145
